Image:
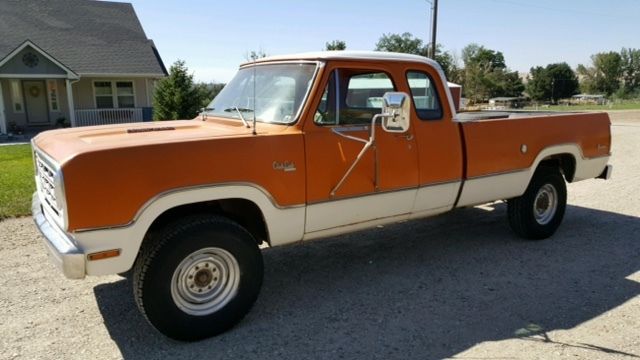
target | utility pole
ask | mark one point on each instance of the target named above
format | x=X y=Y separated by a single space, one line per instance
x=434 y=27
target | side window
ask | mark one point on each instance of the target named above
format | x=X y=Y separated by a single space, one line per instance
x=425 y=95
x=326 y=112
x=352 y=97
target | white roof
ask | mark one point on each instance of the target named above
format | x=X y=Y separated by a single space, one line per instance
x=362 y=55
x=350 y=55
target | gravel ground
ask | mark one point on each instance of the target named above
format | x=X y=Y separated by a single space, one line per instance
x=455 y=286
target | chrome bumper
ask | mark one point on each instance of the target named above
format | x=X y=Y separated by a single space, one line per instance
x=63 y=251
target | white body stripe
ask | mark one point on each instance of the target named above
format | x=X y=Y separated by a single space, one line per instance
x=287 y=225
x=284 y=225
x=509 y=185
x=439 y=196
x=333 y=214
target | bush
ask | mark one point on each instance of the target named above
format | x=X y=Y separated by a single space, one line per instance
x=177 y=97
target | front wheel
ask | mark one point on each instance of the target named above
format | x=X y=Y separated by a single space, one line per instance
x=198 y=278
x=537 y=214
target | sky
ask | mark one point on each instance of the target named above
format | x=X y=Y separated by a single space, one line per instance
x=214 y=37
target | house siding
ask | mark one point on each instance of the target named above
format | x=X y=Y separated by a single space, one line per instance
x=41 y=65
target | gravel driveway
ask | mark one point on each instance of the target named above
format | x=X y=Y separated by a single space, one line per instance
x=456 y=286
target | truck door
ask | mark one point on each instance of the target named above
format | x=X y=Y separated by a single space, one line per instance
x=384 y=182
x=438 y=141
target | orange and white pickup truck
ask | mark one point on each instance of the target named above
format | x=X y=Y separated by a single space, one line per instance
x=294 y=148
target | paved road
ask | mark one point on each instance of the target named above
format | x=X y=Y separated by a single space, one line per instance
x=459 y=286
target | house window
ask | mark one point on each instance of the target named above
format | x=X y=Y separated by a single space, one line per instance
x=104 y=94
x=114 y=94
x=16 y=92
x=124 y=90
x=53 y=95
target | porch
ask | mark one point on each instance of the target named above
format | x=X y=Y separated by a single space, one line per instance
x=33 y=104
x=89 y=117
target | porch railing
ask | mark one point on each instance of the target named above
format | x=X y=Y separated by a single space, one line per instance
x=89 y=117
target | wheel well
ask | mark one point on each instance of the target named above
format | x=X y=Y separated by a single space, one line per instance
x=242 y=211
x=565 y=162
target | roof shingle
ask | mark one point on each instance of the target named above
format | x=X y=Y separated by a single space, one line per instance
x=89 y=37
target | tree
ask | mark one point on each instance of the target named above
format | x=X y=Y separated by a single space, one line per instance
x=485 y=75
x=604 y=75
x=508 y=84
x=336 y=45
x=404 y=43
x=630 y=70
x=448 y=61
x=489 y=59
x=408 y=44
x=207 y=92
x=176 y=96
x=555 y=81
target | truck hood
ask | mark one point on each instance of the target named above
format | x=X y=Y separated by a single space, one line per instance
x=110 y=172
x=64 y=144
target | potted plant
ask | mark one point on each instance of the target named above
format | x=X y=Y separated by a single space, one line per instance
x=61 y=122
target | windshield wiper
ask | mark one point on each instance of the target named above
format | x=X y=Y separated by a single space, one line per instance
x=240 y=111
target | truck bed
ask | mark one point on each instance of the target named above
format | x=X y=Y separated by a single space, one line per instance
x=501 y=114
x=503 y=148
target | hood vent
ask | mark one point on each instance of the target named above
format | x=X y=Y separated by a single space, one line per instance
x=164 y=128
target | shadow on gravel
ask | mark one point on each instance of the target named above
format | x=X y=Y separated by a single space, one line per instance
x=423 y=289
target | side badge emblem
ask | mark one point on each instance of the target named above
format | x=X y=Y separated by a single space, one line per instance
x=285 y=166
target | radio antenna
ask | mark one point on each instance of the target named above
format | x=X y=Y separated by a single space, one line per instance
x=255 y=103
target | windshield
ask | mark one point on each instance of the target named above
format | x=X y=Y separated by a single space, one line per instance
x=271 y=93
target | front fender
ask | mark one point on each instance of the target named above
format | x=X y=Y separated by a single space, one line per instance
x=285 y=224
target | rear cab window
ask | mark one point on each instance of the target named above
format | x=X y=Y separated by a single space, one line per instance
x=424 y=95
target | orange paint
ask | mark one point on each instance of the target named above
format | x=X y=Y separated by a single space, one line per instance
x=110 y=174
x=494 y=146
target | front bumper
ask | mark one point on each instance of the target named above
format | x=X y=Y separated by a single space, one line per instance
x=63 y=250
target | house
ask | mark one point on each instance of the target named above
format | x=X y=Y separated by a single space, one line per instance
x=582 y=99
x=501 y=103
x=78 y=62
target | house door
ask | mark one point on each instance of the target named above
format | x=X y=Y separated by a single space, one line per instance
x=35 y=95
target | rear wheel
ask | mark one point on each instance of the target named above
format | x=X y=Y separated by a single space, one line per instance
x=537 y=214
x=198 y=278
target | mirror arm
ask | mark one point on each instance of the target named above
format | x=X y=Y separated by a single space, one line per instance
x=367 y=144
x=338 y=132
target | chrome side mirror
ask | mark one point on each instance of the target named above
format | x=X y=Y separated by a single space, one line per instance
x=396 y=110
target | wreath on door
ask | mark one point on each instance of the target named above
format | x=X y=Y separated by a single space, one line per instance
x=34 y=91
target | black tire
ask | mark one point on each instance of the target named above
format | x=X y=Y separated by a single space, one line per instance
x=154 y=273
x=127 y=274
x=527 y=222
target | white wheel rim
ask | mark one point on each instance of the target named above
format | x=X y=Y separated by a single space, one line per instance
x=205 y=281
x=545 y=204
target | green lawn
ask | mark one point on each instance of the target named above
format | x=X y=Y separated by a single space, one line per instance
x=16 y=180
x=619 y=106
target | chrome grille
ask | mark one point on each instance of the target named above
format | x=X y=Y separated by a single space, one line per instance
x=46 y=184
